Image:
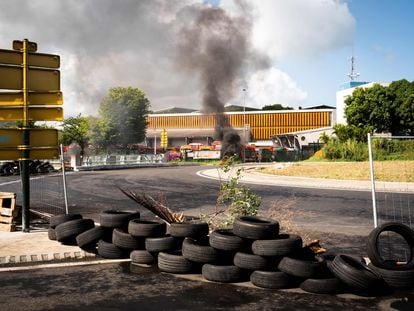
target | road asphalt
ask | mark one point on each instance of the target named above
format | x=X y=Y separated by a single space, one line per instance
x=20 y=248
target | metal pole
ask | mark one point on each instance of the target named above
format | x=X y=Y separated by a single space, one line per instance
x=244 y=125
x=155 y=144
x=371 y=168
x=24 y=161
x=65 y=194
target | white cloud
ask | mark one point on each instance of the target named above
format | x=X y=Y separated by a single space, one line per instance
x=271 y=86
x=301 y=28
x=290 y=31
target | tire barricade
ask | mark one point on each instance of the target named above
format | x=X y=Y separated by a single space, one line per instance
x=254 y=250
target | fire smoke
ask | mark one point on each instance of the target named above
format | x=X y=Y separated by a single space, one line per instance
x=217 y=47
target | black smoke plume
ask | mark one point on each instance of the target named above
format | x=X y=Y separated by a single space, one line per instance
x=216 y=46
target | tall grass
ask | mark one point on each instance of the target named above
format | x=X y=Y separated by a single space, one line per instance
x=383 y=149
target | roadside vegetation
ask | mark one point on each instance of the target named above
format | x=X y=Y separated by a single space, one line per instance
x=395 y=171
x=344 y=155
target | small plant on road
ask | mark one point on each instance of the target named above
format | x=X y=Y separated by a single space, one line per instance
x=233 y=199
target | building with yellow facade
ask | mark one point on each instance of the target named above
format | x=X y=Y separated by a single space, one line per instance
x=252 y=126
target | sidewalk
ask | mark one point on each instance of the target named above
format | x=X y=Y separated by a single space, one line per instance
x=35 y=247
x=251 y=176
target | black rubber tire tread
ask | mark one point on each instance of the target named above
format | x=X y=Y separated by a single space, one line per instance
x=117 y=218
x=283 y=245
x=372 y=246
x=273 y=279
x=226 y=240
x=355 y=274
x=256 y=227
x=124 y=240
x=397 y=279
x=72 y=228
x=191 y=228
x=198 y=251
x=323 y=286
x=162 y=244
x=51 y=234
x=146 y=228
x=90 y=237
x=59 y=219
x=143 y=257
x=223 y=274
x=174 y=262
x=254 y=262
x=111 y=251
x=311 y=269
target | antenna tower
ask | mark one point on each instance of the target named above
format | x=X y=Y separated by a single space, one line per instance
x=353 y=74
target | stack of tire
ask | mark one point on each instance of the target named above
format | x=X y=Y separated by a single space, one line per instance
x=173 y=253
x=253 y=250
x=396 y=274
x=65 y=228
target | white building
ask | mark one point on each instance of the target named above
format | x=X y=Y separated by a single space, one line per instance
x=346 y=90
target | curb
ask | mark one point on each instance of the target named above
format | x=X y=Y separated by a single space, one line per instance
x=45 y=257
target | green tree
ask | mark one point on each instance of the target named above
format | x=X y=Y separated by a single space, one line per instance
x=276 y=107
x=123 y=116
x=98 y=133
x=383 y=109
x=403 y=106
x=76 y=130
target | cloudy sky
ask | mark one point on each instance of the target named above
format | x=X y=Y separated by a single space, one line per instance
x=295 y=53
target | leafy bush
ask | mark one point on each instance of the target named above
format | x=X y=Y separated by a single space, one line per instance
x=351 y=150
x=236 y=200
x=393 y=149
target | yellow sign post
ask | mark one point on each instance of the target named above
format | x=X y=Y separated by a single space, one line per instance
x=10 y=57
x=37 y=97
x=33 y=114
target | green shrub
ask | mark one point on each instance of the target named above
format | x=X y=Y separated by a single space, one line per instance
x=351 y=150
x=393 y=149
x=233 y=200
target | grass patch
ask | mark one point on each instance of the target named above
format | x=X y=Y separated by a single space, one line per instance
x=396 y=171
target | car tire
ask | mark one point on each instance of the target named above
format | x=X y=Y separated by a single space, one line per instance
x=356 y=274
x=59 y=219
x=68 y=230
x=226 y=240
x=199 y=251
x=146 y=228
x=174 y=262
x=124 y=240
x=143 y=257
x=256 y=228
x=322 y=286
x=397 y=279
x=117 y=218
x=90 y=238
x=111 y=251
x=222 y=274
x=191 y=228
x=283 y=245
x=273 y=279
x=254 y=262
x=373 y=248
x=163 y=244
x=304 y=268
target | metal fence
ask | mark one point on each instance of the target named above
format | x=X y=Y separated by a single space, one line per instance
x=396 y=206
